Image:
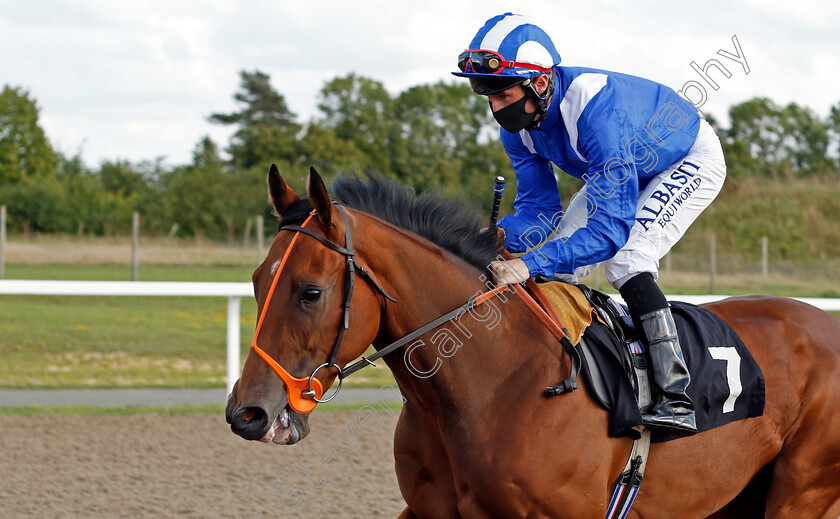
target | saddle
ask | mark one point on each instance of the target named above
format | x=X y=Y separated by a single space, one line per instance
x=727 y=384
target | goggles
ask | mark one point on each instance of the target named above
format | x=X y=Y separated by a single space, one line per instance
x=490 y=62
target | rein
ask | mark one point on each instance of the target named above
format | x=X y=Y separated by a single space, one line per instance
x=464 y=308
x=305 y=393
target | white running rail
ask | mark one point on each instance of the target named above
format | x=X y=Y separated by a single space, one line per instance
x=235 y=292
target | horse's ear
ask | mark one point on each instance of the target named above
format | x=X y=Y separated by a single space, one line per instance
x=319 y=197
x=281 y=194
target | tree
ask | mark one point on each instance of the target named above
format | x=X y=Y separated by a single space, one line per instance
x=448 y=141
x=325 y=150
x=198 y=196
x=757 y=124
x=426 y=148
x=267 y=128
x=90 y=206
x=24 y=149
x=37 y=206
x=121 y=178
x=806 y=139
x=358 y=110
x=780 y=139
x=70 y=167
x=833 y=124
x=834 y=118
x=206 y=154
x=736 y=152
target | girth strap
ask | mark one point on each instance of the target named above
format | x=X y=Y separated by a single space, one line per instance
x=631 y=478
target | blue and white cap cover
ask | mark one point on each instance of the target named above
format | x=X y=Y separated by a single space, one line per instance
x=516 y=38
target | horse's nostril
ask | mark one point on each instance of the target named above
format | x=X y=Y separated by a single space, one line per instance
x=250 y=422
x=254 y=416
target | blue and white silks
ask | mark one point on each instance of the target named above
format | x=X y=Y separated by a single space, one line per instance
x=614 y=131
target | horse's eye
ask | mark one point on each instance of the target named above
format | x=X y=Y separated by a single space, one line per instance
x=311 y=295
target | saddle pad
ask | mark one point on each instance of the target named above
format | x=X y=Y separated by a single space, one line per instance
x=726 y=382
x=571 y=305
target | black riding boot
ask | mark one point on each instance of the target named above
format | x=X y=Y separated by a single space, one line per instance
x=674 y=410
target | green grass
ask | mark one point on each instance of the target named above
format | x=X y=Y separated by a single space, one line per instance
x=804 y=282
x=110 y=342
x=799 y=216
x=115 y=341
x=88 y=410
x=168 y=342
x=123 y=273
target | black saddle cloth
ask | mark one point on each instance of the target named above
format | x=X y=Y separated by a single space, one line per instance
x=726 y=382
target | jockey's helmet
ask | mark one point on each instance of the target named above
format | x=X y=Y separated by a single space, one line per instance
x=509 y=50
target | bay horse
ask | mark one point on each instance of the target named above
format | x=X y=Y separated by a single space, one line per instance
x=477 y=438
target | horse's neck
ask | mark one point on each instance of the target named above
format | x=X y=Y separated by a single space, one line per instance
x=456 y=366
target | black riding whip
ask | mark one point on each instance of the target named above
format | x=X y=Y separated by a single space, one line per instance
x=498 y=189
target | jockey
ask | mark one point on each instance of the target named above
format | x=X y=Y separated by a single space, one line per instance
x=650 y=164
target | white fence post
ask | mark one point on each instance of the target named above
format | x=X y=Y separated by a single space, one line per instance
x=712 y=263
x=2 y=241
x=247 y=233
x=764 y=247
x=233 y=291
x=260 y=238
x=233 y=353
x=135 y=244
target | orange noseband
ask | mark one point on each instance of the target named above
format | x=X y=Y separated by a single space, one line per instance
x=294 y=386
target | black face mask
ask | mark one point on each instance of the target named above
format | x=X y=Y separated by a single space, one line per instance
x=514 y=118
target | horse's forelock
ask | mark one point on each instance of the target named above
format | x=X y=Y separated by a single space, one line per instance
x=296 y=213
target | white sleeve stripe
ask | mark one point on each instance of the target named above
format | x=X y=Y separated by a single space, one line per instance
x=494 y=37
x=580 y=92
x=527 y=141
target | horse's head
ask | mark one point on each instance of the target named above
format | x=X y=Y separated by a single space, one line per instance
x=301 y=291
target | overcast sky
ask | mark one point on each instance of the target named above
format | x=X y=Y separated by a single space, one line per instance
x=136 y=80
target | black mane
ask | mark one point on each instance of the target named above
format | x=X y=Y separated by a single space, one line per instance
x=447 y=222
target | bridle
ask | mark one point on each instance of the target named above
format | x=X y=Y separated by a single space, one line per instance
x=305 y=393
x=304 y=400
